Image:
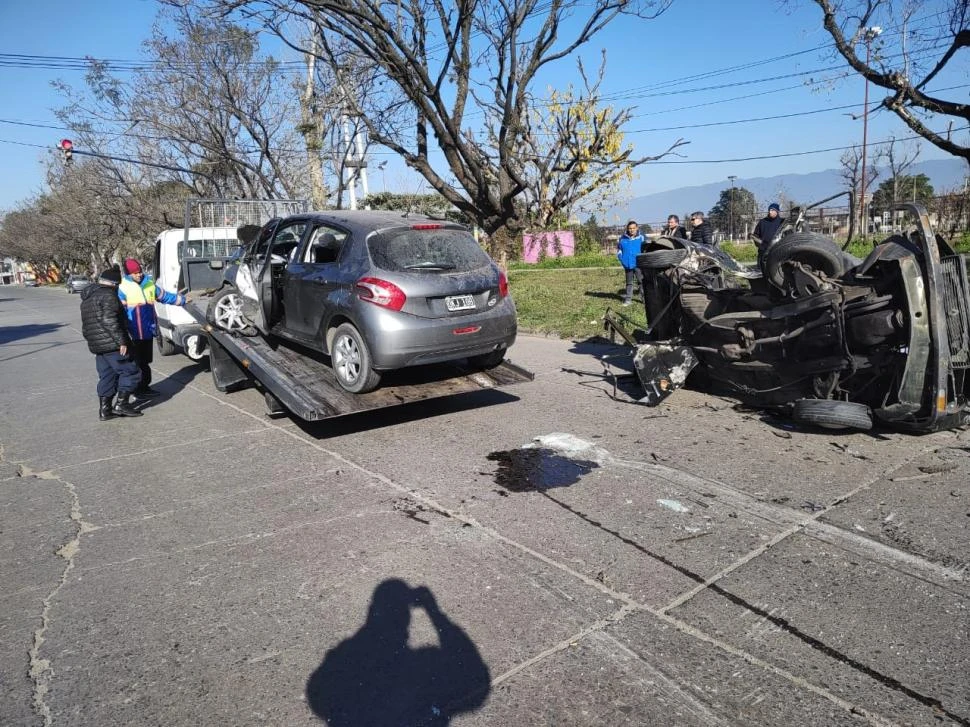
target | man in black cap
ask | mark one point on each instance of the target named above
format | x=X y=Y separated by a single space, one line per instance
x=105 y=328
x=767 y=228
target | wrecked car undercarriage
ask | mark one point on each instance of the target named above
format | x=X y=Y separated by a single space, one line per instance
x=831 y=340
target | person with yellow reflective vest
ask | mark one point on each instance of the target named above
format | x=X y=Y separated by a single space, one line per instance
x=138 y=293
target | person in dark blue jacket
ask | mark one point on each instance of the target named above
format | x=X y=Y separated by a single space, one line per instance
x=767 y=228
x=629 y=246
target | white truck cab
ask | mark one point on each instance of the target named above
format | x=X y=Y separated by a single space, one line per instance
x=176 y=251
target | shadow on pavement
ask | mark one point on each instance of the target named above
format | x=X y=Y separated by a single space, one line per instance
x=8 y=334
x=172 y=384
x=376 y=678
x=403 y=413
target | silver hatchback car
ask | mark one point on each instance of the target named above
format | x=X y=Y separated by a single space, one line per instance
x=377 y=291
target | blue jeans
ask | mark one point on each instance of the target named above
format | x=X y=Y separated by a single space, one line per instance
x=117 y=374
x=632 y=276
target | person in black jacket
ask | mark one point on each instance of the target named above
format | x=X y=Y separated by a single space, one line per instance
x=766 y=229
x=701 y=229
x=105 y=328
x=674 y=228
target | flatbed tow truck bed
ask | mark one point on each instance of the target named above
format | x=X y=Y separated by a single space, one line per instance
x=299 y=380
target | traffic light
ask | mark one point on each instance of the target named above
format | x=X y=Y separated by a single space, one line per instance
x=67 y=149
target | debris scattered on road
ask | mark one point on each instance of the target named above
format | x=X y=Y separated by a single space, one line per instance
x=934 y=469
x=783 y=435
x=673 y=505
x=812 y=506
x=692 y=537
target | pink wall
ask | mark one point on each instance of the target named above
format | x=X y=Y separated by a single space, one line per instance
x=560 y=243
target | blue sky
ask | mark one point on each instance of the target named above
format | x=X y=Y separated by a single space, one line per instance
x=650 y=65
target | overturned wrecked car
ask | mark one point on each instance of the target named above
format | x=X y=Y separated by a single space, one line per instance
x=835 y=341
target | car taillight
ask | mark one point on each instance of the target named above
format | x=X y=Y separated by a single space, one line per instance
x=503 y=284
x=381 y=292
x=426 y=227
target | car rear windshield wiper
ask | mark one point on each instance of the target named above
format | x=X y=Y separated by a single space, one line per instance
x=429 y=266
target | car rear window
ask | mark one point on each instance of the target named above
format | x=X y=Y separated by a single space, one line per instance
x=436 y=250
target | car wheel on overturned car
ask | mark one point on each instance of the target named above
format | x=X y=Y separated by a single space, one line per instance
x=814 y=250
x=661 y=259
x=831 y=414
x=351 y=361
x=225 y=311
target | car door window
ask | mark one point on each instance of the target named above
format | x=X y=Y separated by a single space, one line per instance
x=287 y=239
x=324 y=246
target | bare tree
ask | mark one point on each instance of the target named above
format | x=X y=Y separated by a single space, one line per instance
x=851 y=173
x=206 y=111
x=575 y=151
x=924 y=50
x=460 y=73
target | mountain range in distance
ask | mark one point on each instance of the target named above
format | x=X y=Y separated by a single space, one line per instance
x=944 y=175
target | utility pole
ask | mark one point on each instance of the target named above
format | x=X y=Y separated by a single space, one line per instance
x=732 y=177
x=870 y=35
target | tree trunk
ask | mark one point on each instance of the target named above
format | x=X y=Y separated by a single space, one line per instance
x=312 y=131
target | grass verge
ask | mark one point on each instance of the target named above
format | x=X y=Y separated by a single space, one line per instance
x=570 y=303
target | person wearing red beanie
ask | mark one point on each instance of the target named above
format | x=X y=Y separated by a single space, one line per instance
x=139 y=292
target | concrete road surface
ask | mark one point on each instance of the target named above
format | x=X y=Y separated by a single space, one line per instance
x=687 y=565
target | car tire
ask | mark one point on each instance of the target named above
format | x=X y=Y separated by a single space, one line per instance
x=810 y=248
x=225 y=312
x=830 y=414
x=351 y=361
x=165 y=346
x=487 y=360
x=661 y=259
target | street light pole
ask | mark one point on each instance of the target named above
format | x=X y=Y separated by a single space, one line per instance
x=870 y=35
x=732 y=177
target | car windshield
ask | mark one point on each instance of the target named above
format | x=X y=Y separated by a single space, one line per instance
x=81 y=278
x=427 y=250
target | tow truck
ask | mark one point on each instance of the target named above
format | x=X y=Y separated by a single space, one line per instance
x=299 y=380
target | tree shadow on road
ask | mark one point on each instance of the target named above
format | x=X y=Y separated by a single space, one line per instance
x=9 y=334
x=375 y=678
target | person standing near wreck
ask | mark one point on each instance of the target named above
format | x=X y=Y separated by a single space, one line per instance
x=701 y=229
x=138 y=293
x=767 y=228
x=105 y=329
x=629 y=246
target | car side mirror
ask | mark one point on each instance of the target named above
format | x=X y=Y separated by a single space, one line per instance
x=216 y=264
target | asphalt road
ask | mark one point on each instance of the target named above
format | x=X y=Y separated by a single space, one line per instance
x=687 y=565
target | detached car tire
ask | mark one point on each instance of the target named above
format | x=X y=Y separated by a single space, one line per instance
x=351 y=361
x=830 y=414
x=816 y=251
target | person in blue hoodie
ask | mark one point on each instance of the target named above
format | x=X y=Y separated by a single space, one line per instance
x=629 y=246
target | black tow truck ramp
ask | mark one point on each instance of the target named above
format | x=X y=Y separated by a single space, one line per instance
x=302 y=381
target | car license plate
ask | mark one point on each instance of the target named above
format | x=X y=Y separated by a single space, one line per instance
x=459 y=302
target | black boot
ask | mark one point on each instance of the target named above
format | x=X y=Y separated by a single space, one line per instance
x=105 y=412
x=123 y=408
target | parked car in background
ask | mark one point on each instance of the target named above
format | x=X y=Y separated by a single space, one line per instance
x=77 y=283
x=376 y=291
x=30 y=282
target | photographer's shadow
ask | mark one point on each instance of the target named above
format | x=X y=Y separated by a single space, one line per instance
x=375 y=678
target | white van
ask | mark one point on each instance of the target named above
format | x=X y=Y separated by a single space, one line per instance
x=176 y=328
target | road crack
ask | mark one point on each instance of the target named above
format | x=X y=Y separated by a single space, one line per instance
x=39 y=669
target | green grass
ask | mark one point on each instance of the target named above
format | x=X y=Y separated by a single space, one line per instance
x=579 y=261
x=570 y=303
